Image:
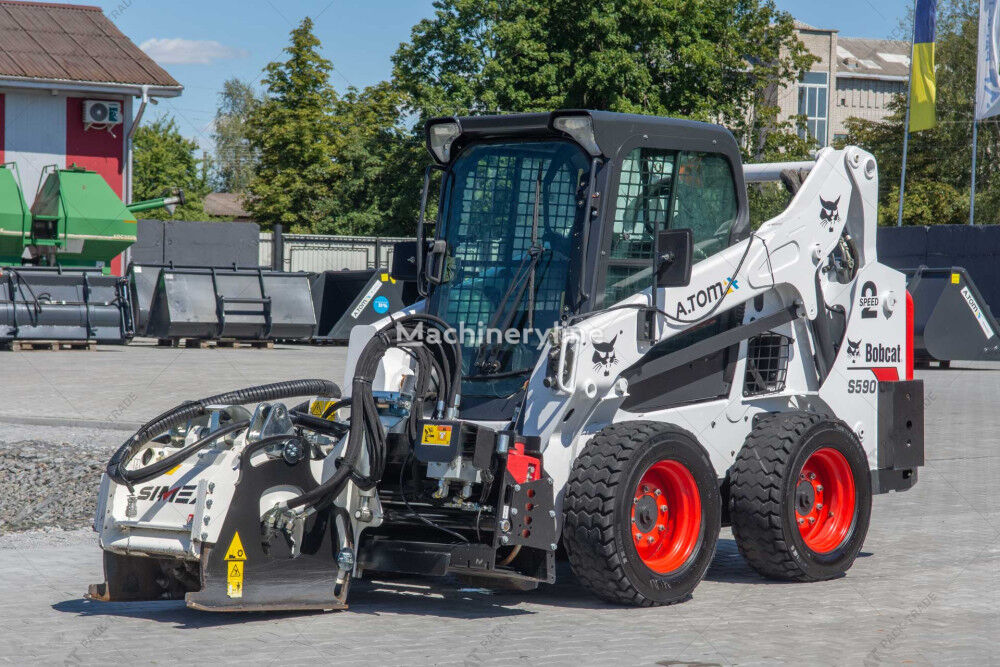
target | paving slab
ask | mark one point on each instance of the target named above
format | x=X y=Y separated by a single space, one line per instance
x=925 y=591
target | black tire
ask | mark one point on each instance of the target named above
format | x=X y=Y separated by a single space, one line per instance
x=598 y=508
x=764 y=484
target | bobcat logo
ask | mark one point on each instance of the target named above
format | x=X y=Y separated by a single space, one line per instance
x=853 y=349
x=604 y=356
x=830 y=211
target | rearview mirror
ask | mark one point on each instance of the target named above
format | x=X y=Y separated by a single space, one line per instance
x=675 y=248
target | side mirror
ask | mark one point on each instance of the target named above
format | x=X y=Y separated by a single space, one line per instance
x=404 y=261
x=437 y=262
x=673 y=266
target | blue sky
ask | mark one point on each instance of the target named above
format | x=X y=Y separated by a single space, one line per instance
x=203 y=43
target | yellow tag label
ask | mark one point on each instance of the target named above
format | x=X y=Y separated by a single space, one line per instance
x=235 y=550
x=173 y=470
x=234 y=586
x=436 y=435
x=955 y=277
x=384 y=277
x=319 y=407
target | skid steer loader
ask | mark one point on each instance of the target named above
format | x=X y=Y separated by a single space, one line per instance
x=605 y=357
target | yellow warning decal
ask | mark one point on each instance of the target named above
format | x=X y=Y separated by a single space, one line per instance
x=235 y=550
x=172 y=470
x=955 y=278
x=436 y=434
x=235 y=556
x=318 y=408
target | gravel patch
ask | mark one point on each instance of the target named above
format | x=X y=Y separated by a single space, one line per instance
x=50 y=484
x=47 y=537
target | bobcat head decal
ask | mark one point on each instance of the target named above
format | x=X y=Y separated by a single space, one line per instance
x=604 y=356
x=853 y=349
x=830 y=211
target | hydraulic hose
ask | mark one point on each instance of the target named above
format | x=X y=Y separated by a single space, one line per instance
x=366 y=427
x=193 y=409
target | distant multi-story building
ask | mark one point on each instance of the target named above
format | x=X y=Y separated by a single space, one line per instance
x=853 y=78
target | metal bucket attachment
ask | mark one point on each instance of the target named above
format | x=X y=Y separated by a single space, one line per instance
x=249 y=304
x=43 y=303
x=345 y=299
x=951 y=320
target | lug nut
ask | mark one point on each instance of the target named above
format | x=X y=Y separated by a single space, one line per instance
x=552 y=513
x=812 y=520
x=661 y=528
x=658 y=492
x=819 y=506
x=663 y=508
x=831 y=513
x=638 y=536
x=819 y=487
x=800 y=520
x=812 y=475
x=553 y=546
x=633 y=519
x=649 y=540
x=505 y=539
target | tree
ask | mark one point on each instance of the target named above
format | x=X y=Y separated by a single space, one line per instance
x=234 y=157
x=294 y=136
x=939 y=168
x=378 y=160
x=711 y=60
x=720 y=61
x=163 y=160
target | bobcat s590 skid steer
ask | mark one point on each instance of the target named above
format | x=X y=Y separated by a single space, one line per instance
x=606 y=357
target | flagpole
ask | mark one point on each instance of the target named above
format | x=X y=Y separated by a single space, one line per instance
x=975 y=144
x=906 y=126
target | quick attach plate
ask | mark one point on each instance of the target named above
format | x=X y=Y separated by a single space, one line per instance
x=527 y=516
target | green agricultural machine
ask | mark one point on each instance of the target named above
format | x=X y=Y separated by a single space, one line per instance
x=77 y=220
x=55 y=257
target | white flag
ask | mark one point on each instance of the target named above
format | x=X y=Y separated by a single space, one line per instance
x=988 y=69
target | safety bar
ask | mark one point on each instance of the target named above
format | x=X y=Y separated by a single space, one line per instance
x=767 y=172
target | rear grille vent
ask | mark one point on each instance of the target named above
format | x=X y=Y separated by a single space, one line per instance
x=767 y=364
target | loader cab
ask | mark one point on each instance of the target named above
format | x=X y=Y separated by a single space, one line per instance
x=546 y=215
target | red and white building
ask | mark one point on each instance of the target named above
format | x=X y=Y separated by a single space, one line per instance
x=57 y=63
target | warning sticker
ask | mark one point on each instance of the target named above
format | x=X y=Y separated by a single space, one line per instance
x=319 y=407
x=436 y=434
x=235 y=550
x=235 y=557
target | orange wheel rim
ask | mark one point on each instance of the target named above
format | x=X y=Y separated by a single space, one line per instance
x=825 y=500
x=666 y=516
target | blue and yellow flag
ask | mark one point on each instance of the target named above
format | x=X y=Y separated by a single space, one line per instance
x=923 y=83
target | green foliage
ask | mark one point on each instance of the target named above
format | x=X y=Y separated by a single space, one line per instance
x=940 y=160
x=354 y=164
x=294 y=136
x=234 y=157
x=164 y=160
x=378 y=161
x=711 y=60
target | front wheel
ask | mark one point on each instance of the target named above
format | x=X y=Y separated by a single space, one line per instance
x=642 y=514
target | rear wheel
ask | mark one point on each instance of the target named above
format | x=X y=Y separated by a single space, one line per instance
x=800 y=497
x=642 y=514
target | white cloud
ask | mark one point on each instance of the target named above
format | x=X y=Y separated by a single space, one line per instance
x=178 y=51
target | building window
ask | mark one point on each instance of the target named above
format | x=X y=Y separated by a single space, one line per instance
x=812 y=104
